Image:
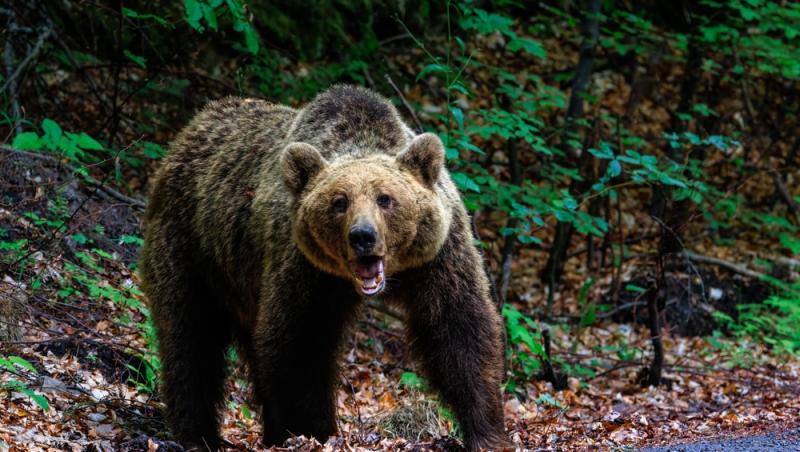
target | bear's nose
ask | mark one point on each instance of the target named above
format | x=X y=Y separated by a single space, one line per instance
x=362 y=238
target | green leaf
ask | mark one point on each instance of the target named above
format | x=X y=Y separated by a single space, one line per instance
x=584 y=291
x=432 y=69
x=139 y=60
x=412 y=380
x=251 y=39
x=667 y=180
x=458 y=115
x=604 y=152
x=790 y=242
x=52 y=131
x=23 y=363
x=86 y=142
x=589 y=316
x=465 y=182
x=485 y=23
x=635 y=288
x=127 y=12
x=153 y=150
x=7 y=364
x=211 y=16
x=546 y=399
x=131 y=240
x=194 y=12
x=748 y=14
x=704 y=110
x=457 y=86
x=614 y=168
x=528 y=239
x=38 y=399
x=528 y=45
x=28 y=141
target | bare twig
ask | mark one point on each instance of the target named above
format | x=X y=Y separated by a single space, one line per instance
x=789 y=262
x=16 y=111
x=781 y=188
x=405 y=102
x=736 y=268
x=744 y=80
x=28 y=58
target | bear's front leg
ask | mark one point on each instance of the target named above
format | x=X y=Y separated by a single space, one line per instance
x=302 y=317
x=456 y=332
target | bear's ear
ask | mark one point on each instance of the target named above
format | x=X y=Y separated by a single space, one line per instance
x=300 y=162
x=424 y=158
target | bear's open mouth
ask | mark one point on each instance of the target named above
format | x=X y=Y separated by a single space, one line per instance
x=368 y=271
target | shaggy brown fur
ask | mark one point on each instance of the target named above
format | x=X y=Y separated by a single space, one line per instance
x=246 y=242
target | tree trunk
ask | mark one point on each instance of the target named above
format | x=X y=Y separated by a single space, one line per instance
x=558 y=251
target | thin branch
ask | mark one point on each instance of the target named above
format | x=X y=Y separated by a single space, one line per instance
x=744 y=81
x=736 y=268
x=785 y=194
x=405 y=102
x=31 y=55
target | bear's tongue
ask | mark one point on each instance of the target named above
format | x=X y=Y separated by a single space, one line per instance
x=369 y=271
x=366 y=267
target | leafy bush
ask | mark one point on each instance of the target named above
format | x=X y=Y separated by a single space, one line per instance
x=774 y=321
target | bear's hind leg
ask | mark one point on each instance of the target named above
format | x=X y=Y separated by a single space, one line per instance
x=193 y=335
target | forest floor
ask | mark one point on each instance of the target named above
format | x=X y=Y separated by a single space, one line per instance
x=81 y=328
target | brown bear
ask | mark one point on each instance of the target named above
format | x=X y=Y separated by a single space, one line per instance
x=267 y=226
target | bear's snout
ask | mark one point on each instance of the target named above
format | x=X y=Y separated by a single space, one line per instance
x=362 y=238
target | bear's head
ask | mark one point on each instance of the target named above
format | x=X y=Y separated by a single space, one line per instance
x=367 y=218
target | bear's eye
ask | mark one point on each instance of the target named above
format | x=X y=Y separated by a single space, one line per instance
x=340 y=204
x=384 y=201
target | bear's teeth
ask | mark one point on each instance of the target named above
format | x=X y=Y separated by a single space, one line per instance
x=371 y=286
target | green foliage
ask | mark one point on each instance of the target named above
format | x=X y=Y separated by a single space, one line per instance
x=21 y=367
x=291 y=55
x=145 y=376
x=525 y=351
x=447 y=414
x=210 y=11
x=413 y=381
x=547 y=399
x=73 y=146
x=774 y=321
x=80 y=149
x=760 y=35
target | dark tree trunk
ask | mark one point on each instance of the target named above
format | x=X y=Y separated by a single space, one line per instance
x=512 y=223
x=554 y=268
x=672 y=217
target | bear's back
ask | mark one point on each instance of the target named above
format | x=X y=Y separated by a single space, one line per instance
x=351 y=122
x=205 y=188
